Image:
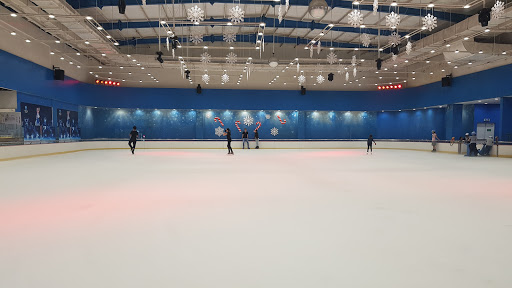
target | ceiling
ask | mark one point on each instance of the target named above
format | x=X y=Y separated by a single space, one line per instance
x=97 y=42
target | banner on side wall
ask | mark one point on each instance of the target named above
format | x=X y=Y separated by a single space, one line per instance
x=67 y=124
x=37 y=122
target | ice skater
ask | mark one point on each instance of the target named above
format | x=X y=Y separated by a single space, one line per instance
x=245 y=139
x=134 y=134
x=370 y=143
x=434 y=141
x=227 y=133
x=257 y=139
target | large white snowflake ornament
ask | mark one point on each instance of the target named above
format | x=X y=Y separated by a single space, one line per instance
x=274 y=131
x=219 y=131
x=196 y=38
x=311 y=52
x=224 y=78
x=248 y=120
x=498 y=10
x=320 y=79
x=236 y=14
x=375 y=6
x=206 y=58
x=430 y=22
x=355 y=18
x=280 y=14
x=347 y=76
x=394 y=56
x=205 y=78
x=318 y=47
x=365 y=40
x=229 y=37
x=354 y=60
x=408 y=48
x=231 y=58
x=354 y=72
x=394 y=39
x=393 y=20
x=301 y=79
x=332 y=58
x=195 y=14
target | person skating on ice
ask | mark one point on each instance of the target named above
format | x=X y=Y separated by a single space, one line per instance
x=257 y=138
x=245 y=138
x=227 y=133
x=370 y=143
x=434 y=141
x=134 y=134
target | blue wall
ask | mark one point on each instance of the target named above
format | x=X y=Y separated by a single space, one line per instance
x=35 y=84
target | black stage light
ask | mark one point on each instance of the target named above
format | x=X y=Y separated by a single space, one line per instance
x=330 y=77
x=446 y=81
x=484 y=16
x=302 y=90
x=159 y=58
x=198 y=89
x=58 y=74
x=379 y=63
x=187 y=72
x=122 y=6
x=395 y=50
x=174 y=42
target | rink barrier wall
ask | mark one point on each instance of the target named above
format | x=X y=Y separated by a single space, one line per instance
x=28 y=151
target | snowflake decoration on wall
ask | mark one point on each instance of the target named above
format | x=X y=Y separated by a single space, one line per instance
x=224 y=78
x=355 y=18
x=355 y=72
x=354 y=60
x=219 y=131
x=248 y=120
x=408 y=48
x=394 y=39
x=347 y=76
x=196 y=38
x=332 y=58
x=375 y=6
x=229 y=37
x=236 y=14
x=206 y=78
x=320 y=79
x=393 y=20
x=498 y=10
x=394 y=56
x=430 y=22
x=301 y=79
x=206 y=58
x=274 y=131
x=195 y=14
x=231 y=58
x=365 y=40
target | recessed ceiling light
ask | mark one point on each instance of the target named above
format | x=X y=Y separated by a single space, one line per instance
x=431 y=73
x=70 y=62
x=504 y=52
x=322 y=34
x=331 y=25
x=87 y=42
x=413 y=72
x=103 y=54
x=51 y=16
x=57 y=41
x=431 y=5
x=140 y=81
x=449 y=62
x=129 y=73
x=61 y=58
x=28 y=41
x=432 y=51
x=448 y=45
x=443 y=70
x=355 y=2
x=466 y=38
x=262 y=24
x=456 y=51
x=362 y=26
x=13 y=15
x=108 y=36
x=395 y=65
x=480 y=52
x=456 y=67
x=487 y=30
x=205 y=47
x=466 y=6
x=407 y=36
x=99 y=28
x=51 y=53
x=110 y=72
x=13 y=33
x=423 y=28
x=138 y=64
x=470 y=63
x=394 y=3
x=100 y=67
x=229 y=24
x=356 y=49
x=121 y=67
x=78 y=66
x=88 y=18
x=116 y=44
x=134 y=60
x=406 y=61
x=142 y=68
x=413 y=78
x=428 y=61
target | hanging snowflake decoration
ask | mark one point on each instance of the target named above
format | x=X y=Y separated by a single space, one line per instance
x=332 y=58
x=347 y=76
x=394 y=39
x=267 y=116
x=354 y=60
x=393 y=20
x=248 y=120
x=231 y=58
x=301 y=79
x=320 y=79
x=196 y=38
x=355 y=18
x=280 y=14
x=365 y=40
x=236 y=14
x=229 y=37
x=274 y=131
x=195 y=14
x=394 y=56
x=206 y=58
x=219 y=131
x=375 y=6
x=408 y=48
x=498 y=10
x=224 y=78
x=143 y=2
x=354 y=72
x=311 y=52
x=206 y=78
x=430 y=22
x=318 y=47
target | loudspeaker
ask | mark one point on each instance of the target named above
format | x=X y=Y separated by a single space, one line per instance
x=198 y=89
x=58 y=74
x=302 y=90
x=446 y=81
x=379 y=63
x=122 y=6
x=484 y=16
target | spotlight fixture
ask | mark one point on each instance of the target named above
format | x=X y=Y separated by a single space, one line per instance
x=107 y=82
x=121 y=4
x=273 y=62
x=198 y=89
x=379 y=63
x=484 y=17
x=187 y=72
x=318 y=8
x=159 y=58
x=330 y=77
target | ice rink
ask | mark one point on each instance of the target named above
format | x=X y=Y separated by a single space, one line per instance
x=258 y=219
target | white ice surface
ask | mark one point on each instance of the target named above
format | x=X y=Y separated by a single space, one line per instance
x=259 y=219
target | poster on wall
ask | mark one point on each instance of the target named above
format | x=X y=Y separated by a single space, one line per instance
x=67 y=124
x=37 y=122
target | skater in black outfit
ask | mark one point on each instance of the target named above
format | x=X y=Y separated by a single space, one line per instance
x=134 y=134
x=257 y=139
x=370 y=144
x=227 y=133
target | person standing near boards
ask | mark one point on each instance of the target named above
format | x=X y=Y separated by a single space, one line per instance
x=370 y=143
x=227 y=133
x=245 y=139
x=434 y=141
x=134 y=134
x=257 y=139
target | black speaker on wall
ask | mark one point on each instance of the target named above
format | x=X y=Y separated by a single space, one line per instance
x=302 y=90
x=446 y=81
x=198 y=89
x=58 y=74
